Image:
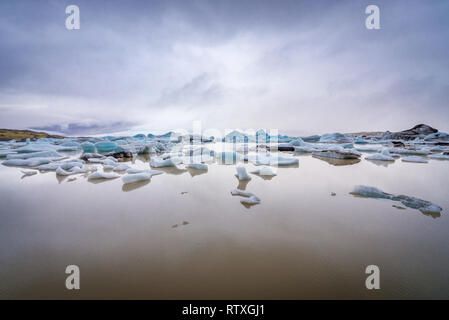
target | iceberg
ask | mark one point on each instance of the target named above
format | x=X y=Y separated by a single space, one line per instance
x=335 y=138
x=130 y=178
x=28 y=172
x=384 y=156
x=121 y=167
x=360 y=140
x=103 y=175
x=337 y=152
x=242 y=174
x=439 y=156
x=88 y=146
x=250 y=198
x=424 y=206
x=32 y=162
x=105 y=146
x=408 y=151
x=370 y=192
x=158 y=162
x=62 y=172
x=42 y=154
x=415 y=159
x=264 y=171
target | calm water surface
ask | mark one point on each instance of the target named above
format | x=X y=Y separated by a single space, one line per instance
x=300 y=242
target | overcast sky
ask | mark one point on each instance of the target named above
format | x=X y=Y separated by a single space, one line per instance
x=301 y=67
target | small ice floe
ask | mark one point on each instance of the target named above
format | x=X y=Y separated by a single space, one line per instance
x=28 y=172
x=42 y=154
x=424 y=206
x=4 y=153
x=137 y=171
x=305 y=149
x=408 y=151
x=369 y=149
x=158 y=162
x=89 y=155
x=250 y=198
x=121 y=167
x=242 y=174
x=88 y=146
x=360 y=140
x=103 y=175
x=335 y=138
x=197 y=166
x=74 y=170
x=32 y=162
x=438 y=156
x=337 y=152
x=265 y=171
x=62 y=172
x=105 y=146
x=415 y=159
x=384 y=156
x=135 y=177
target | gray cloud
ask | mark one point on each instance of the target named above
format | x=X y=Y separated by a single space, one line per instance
x=299 y=66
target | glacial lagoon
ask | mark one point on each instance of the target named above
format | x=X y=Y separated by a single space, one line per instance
x=183 y=235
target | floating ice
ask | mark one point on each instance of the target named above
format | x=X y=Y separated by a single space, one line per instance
x=439 y=156
x=141 y=176
x=384 y=156
x=337 y=152
x=121 y=167
x=242 y=174
x=42 y=154
x=32 y=162
x=88 y=146
x=415 y=159
x=369 y=149
x=411 y=202
x=103 y=175
x=370 y=192
x=28 y=172
x=105 y=146
x=437 y=135
x=4 y=153
x=251 y=198
x=264 y=171
x=360 y=140
x=335 y=138
x=408 y=151
x=158 y=162
x=62 y=172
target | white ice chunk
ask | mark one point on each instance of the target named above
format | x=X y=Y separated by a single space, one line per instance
x=157 y=162
x=142 y=176
x=42 y=154
x=415 y=159
x=29 y=172
x=439 y=156
x=32 y=162
x=264 y=171
x=103 y=175
x=380 y=157
x=242 y=174
x=121 y=167
x=251 y=200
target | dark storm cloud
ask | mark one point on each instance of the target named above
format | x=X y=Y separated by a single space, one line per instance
x=162 y=64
